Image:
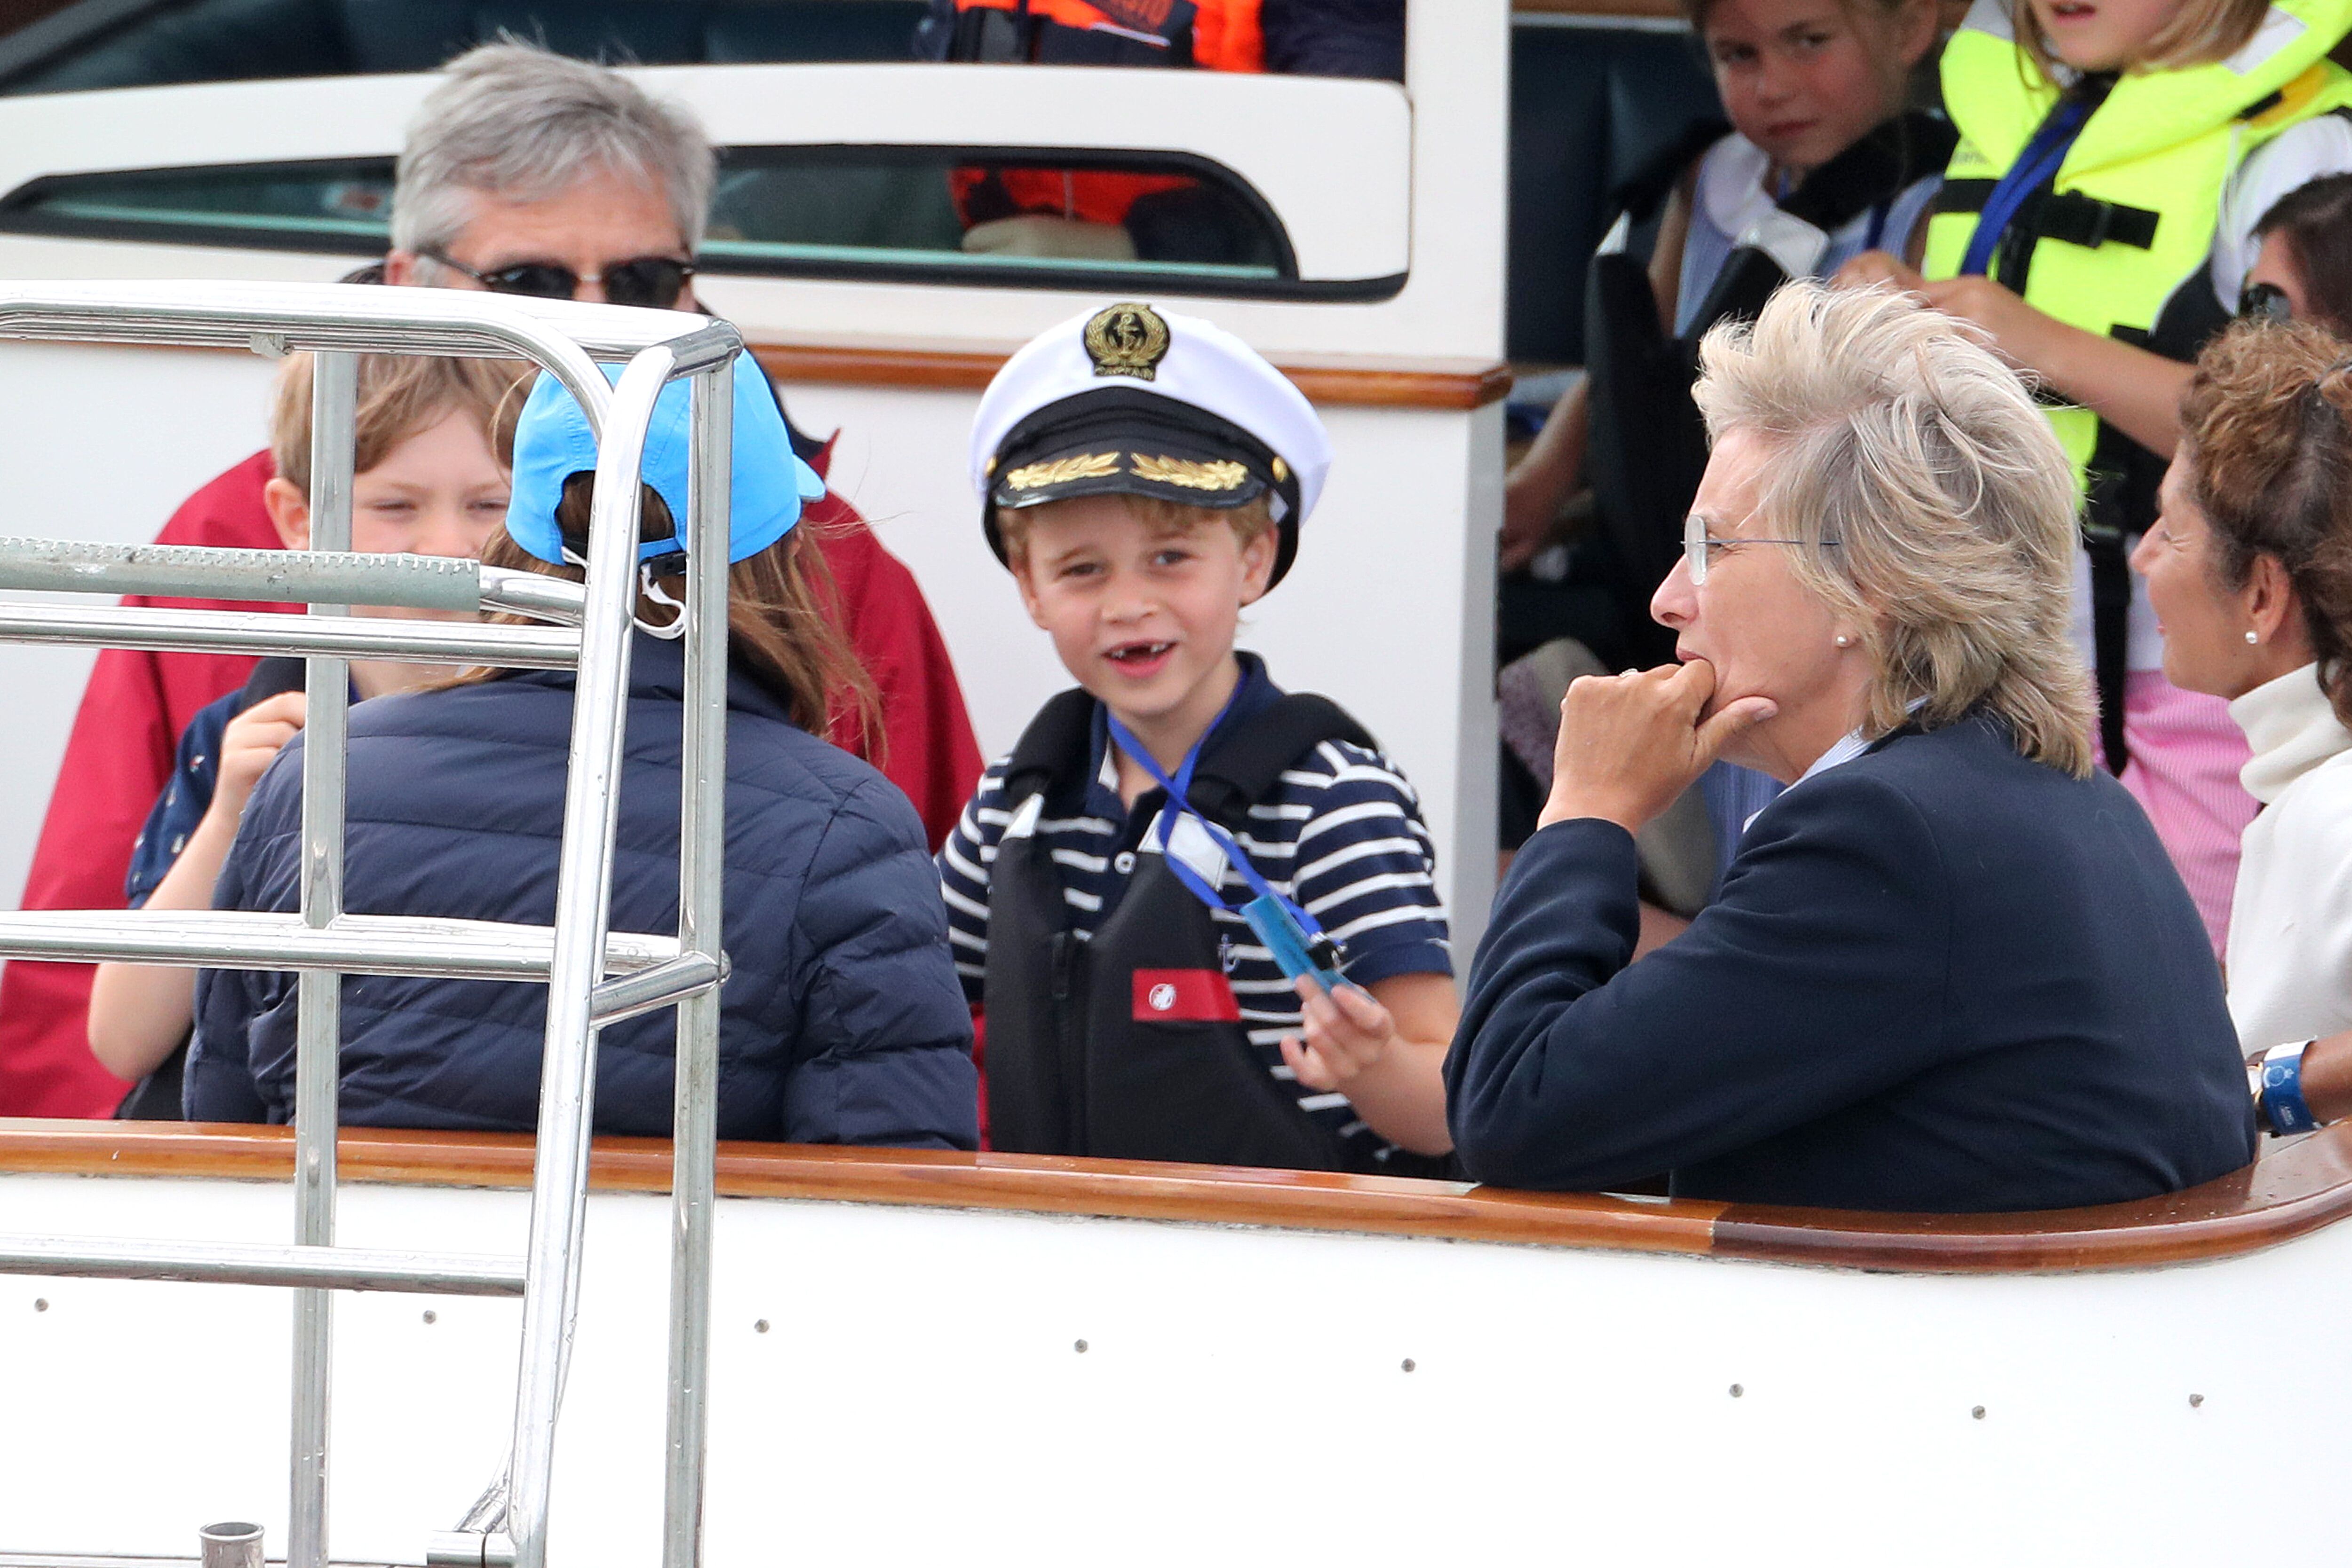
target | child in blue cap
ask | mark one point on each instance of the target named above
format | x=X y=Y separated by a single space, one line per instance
x=842 y=1021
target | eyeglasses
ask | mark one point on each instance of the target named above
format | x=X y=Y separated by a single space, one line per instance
x=2265 y=302
x=652 y=281
x=1695 y=545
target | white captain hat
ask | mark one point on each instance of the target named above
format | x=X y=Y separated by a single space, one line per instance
x=1133 y=400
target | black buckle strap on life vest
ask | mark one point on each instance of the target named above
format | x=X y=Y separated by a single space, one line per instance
x=2011 y=265
x=2086 y=221
x=1964 y=197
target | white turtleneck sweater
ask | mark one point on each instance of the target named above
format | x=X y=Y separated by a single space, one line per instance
x=2290 y=925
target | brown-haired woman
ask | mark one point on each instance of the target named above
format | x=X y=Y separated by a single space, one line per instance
x=842 y=1021
x=2302 y=270
x=2249 y=568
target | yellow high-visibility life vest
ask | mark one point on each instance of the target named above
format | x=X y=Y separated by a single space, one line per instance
x=2120 y=240
x=2134 y=204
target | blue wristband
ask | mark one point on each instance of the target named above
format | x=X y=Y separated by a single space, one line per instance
x=2282 y=1090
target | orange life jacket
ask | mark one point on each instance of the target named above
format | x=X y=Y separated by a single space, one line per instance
x=1224 y=34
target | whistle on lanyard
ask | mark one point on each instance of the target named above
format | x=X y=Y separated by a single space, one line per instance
x=1294 y=951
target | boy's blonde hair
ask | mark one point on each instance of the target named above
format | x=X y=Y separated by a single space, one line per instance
x=2201 y=31
x=1250 y=521
x=400 y=395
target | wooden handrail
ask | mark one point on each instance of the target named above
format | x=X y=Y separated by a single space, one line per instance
x=1334 y=383
x=2293 y=1191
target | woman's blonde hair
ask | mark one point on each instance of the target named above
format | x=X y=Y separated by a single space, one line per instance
x=1936 y=504
x=2201 y=32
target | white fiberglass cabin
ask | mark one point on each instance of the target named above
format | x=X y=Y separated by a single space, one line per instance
x=1362 y=251
x=923 y=1358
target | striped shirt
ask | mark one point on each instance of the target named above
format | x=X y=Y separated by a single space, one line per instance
x=1340 y=832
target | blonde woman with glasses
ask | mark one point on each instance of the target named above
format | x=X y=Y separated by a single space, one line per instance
x=1952 y=968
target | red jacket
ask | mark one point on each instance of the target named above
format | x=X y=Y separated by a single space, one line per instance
x=120 y=756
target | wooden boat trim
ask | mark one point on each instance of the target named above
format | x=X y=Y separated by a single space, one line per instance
x=1445 y=384
x=1369 y=384
x=2293 y=1192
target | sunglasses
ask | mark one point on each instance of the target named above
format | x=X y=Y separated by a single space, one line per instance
x=2265 y=302
x=651 y=281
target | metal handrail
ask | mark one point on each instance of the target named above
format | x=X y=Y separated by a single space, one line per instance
x=315 y=635
x=355 y=944
x=563 y=338
x=574 y=956
x=285 y=577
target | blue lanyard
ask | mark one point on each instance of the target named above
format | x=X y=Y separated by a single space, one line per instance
x=2039 y=162
x=1180 y=805
x=1877 y=225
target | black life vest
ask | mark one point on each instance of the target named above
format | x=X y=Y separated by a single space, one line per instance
x=1647 y=448
x=1129 y=1044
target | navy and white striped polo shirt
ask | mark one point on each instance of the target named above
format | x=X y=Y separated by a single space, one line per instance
x=1340 y=832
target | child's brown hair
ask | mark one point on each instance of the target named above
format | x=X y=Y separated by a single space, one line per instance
x=400 y=395
x=1248 y=520
x=780 y=620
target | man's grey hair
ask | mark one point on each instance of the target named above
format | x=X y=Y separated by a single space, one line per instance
x=521 y=123
x=1936 y=502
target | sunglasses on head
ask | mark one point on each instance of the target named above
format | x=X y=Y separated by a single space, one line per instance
x=2265 y=302
x=652 y=281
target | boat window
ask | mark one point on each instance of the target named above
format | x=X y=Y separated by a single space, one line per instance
x=1059 y=218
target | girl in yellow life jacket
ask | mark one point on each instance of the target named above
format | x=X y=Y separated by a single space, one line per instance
x=2097 y=222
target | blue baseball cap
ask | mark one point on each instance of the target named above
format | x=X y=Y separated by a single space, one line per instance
x=553 y=443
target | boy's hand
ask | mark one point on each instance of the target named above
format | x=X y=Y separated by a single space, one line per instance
x=1348 y=1033
x=252 y=739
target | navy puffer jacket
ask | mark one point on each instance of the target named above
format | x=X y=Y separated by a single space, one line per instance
x=843 y=1022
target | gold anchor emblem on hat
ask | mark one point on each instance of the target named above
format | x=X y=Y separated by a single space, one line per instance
x=1126 y=340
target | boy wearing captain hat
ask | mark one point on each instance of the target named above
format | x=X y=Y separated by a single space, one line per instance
x=1200 y=914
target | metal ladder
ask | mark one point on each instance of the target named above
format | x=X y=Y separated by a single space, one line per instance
x=595 y=977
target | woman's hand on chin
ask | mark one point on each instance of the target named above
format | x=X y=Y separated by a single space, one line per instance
x=1630 y=743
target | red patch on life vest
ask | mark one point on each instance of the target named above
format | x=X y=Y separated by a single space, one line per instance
x=1184 y=996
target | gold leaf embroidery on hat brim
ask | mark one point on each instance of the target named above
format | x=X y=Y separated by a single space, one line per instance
x=1187 y=474
x=1062 y=471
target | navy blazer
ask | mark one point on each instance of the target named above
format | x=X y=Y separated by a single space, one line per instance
x=1940 y=977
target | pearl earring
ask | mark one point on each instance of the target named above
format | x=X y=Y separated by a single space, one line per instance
x=2253 y=636
x=1846 y=641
